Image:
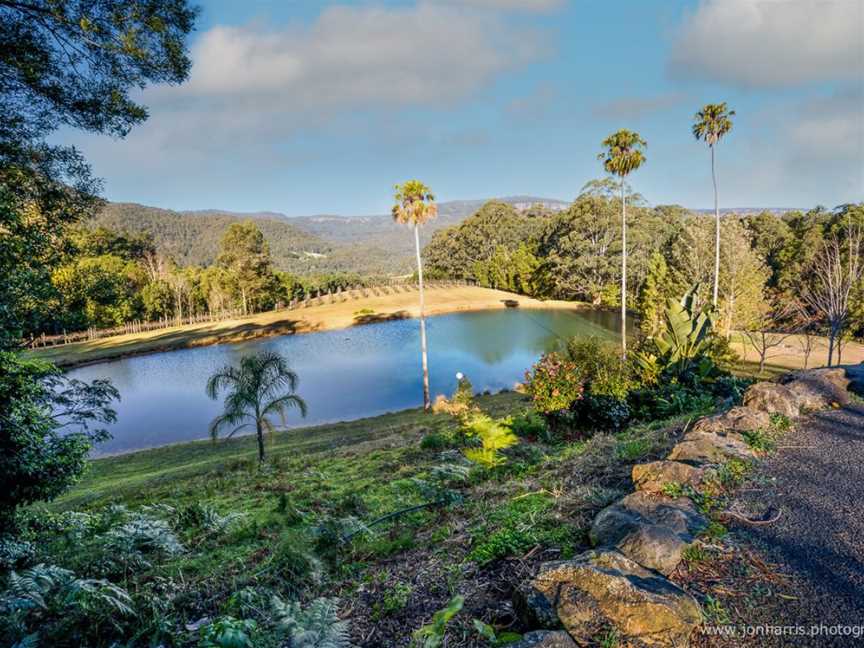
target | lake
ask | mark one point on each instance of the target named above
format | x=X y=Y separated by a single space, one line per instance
x=345 y=374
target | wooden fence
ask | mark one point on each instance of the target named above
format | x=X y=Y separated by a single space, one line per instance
x=317 y=298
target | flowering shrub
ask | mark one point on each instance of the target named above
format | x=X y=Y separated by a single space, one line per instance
x=554 y=384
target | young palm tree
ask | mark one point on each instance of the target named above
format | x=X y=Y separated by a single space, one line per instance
x=414 y=206
x=712 y=123
x=623 y=153
x=261 y=386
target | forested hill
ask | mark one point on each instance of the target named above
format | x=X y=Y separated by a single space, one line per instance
x=192 y=238
x=302 y=244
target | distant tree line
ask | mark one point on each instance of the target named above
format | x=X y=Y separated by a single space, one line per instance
x=775 y=270
x=105 y=278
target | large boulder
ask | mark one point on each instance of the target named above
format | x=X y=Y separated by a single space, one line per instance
x=545 y=639
x=818 y=389
x=652 y=477
x=649 y=529
x=738 y=419
x=700 y=448
x=772 y=398
x=603 y=588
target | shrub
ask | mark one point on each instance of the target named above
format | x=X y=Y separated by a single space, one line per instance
x=227 y=632
x=530 y=425
x=435 y=441
x=600 y=368
x=554 y=384
x=493 y=435
x=601 y=412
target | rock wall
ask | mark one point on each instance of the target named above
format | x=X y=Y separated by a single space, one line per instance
x=639 y=540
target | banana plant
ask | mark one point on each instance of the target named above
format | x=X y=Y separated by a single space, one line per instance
x=682 y=343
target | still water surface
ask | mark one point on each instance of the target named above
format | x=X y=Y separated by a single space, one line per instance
x=346 y=374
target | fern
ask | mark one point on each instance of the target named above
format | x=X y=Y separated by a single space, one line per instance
x=57 y=590
x=30 y=588
x=141 y=535
x=98 y=596
x=494 y=437
x=317 y=626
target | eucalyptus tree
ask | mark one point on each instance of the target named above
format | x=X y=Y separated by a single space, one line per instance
x=712 y=123
x=415 y=205
x=263 y=385
x=623 y=153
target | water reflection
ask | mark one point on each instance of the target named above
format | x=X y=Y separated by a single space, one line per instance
x=346 y=374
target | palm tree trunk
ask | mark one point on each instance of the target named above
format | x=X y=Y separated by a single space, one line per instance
x=623 y=272
x=260 y=433
x=716 y=231
x=427 y=402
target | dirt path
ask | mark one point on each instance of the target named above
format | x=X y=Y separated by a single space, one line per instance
x=816 y=482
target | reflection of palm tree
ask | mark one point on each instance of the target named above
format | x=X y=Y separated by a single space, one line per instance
x=261 y=386
x=712 y=123
x=622 y=156
x=415 y=205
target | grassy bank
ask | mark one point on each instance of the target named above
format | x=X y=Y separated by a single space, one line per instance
x=535 y=507
x=140 y=476
x=305 y=320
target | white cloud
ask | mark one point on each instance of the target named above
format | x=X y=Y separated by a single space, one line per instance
x=771 y=43
x=355 y=57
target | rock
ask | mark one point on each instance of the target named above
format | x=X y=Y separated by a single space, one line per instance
x=652 y=477
x=818 y=389
x=601 y=588
x=651 y=530
x=772 y=398
x=700 y=448
x=545 y=639
x=737 y=419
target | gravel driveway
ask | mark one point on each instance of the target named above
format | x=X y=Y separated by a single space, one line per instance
x=816 y=479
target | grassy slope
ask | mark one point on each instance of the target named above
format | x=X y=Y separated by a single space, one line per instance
x=138 y=476
x=304 y=320
x=538 y=507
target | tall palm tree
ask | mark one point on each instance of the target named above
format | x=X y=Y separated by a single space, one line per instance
x=712 y=123
x=414 y=206
x=624 y=153
x=261 y=386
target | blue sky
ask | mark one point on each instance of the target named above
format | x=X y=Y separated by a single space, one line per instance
x=308 y=107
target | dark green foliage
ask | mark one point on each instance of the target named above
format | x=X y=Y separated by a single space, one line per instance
x=530 y=425
x=119 y=47
x=294 y=566
x=285 y=505
x=228 y=632
x=48 y=424
x=600 y=412
x=436 y=441
x=466 y=249
x=506 y=534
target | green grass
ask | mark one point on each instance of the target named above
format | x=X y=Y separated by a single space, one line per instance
x=317 y=455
